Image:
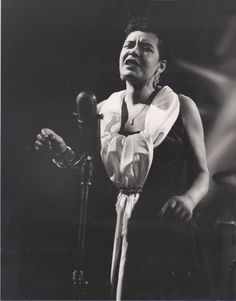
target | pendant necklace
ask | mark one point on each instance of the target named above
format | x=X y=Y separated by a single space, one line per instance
x=131 y=120
x=150 y=98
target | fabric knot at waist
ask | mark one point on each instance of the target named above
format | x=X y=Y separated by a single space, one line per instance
x=126 y=200
x=129 y=191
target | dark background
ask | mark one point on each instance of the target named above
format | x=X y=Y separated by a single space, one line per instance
x=51 y=50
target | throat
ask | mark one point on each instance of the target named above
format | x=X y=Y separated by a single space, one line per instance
x=138 y=94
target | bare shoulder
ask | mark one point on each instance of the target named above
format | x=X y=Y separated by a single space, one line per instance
x=187 y=105
x=189 y=110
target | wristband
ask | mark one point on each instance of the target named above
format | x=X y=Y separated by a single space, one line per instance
x=66 y=159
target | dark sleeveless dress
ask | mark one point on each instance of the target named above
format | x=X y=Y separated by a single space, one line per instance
x=165 y=258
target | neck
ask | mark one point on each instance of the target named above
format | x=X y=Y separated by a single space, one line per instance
x=136 y=94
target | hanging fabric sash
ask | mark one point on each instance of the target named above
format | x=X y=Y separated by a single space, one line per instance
x=127 y=161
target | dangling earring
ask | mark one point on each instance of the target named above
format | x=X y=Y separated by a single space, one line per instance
x=156 y=80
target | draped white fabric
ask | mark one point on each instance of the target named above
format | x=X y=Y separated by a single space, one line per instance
x=128 y=159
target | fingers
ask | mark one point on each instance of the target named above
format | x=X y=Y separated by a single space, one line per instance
x=43 y=139
x=169 y=205
x=173 y=203
x=182 y=213
x=49 y=141
x=52 y=137
x=188 y=218
x=163 y=210
x=179 y=209
x=37 y=145
x=184 y=216
x=40 y=144
x=47 y=132
x=176 y=209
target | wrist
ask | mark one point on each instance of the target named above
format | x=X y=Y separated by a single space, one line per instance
x=60 y=151
x=65 y=159
x=189 y=201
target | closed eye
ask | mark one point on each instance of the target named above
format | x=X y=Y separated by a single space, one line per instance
x=128 y=45
x=143 y=46
x=147 y=47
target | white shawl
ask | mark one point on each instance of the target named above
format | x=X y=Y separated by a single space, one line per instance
x=128 y=159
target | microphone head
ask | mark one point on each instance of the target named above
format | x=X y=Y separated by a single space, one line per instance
x=88 y=122
x=86 y=103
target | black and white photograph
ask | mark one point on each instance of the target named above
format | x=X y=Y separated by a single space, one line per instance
x=118 y=150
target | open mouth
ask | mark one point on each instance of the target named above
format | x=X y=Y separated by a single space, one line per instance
x=131 y=62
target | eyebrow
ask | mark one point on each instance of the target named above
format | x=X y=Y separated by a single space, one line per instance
x=147 y=43
x=143 y=42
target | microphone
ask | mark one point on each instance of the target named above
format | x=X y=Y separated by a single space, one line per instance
x=88 y=122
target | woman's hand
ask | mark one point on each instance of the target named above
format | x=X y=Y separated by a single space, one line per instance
x=50 y=142
x=179 y=208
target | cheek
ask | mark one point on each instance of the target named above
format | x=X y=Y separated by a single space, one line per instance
x=120 y=63
x=121 y=59
x=153 y=64
x=123 y=52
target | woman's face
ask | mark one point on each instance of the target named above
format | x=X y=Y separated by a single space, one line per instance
x=139 y=57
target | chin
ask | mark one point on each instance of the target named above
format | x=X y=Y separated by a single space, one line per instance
x=130 y=76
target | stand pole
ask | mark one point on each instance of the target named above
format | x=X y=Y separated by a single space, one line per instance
x=79 y=274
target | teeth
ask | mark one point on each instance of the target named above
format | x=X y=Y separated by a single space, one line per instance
x=131 y=61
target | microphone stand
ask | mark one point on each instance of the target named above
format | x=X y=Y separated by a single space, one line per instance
x=79 y=280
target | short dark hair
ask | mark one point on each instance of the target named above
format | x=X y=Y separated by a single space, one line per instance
x=161 y=32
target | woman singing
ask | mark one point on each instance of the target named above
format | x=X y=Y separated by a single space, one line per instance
x=149 y=134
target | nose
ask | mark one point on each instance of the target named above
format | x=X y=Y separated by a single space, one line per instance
x=135 y=50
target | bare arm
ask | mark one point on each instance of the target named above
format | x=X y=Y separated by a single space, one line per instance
x=193 y=126
x=182 y=206
x=55 y=145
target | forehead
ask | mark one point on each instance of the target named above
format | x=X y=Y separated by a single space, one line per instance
x=142 y=36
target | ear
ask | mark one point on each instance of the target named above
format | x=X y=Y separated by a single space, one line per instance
x=162 y=66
